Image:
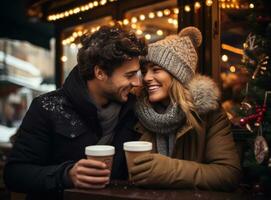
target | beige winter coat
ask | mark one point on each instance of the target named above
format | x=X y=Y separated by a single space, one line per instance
x=204 y=160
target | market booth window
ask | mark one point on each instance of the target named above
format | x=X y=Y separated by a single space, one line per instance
x=26 y=71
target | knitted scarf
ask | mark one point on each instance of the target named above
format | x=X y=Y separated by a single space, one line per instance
x=164 y=125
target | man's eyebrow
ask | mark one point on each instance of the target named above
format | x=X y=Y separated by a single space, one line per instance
x=131 y=72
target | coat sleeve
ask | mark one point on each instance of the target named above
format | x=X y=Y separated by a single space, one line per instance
x=27 y=169
x=220 y=171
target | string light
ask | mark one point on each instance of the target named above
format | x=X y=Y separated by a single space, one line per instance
x=151 y=15
x=139 y=32
x=209 y=2
x=73 y=45
x=64 y=59
x=142 y=17
x=159 y=32
x=134 y=26
x=159 y=13
x=103 y=2
x=175 y=22
x=148 y=36
x=76 y=10
x=187 y=8
x=233 y=4
x=125 y=21
x=197 y=5
x=170 y=20
x=232 y=69
x=224 y=58
x=95 y=3
x=167 y=12
x=132 y=22
x=176 y=11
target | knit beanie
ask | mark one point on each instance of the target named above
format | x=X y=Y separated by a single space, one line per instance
x=177 y=54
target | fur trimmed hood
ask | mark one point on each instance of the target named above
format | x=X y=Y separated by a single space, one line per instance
x=205 y=93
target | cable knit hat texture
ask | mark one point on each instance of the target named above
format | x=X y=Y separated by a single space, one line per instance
x=177 y=53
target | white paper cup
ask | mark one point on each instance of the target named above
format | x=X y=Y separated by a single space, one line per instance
x=134 y=149
x=102 y=153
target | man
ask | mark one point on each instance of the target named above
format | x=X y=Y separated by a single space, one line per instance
x=92 y=107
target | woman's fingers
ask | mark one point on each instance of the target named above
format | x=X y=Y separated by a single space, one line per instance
x=142 y=159
x=140 y=177
x=140 y=168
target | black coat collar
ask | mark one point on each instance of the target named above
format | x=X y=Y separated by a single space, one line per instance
x=76 y=90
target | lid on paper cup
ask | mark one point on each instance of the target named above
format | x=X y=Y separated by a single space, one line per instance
x=137 y=146
x=100 y=150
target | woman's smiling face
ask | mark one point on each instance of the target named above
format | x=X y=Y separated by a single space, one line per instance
x=157 y=82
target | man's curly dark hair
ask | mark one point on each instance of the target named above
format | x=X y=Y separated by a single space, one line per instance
x=108 y=48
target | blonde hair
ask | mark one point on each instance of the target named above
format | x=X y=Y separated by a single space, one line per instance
x=180 y=94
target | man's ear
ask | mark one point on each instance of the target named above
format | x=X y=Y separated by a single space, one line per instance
x=99 y=73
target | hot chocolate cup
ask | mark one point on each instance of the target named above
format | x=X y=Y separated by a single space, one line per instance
x=134 y=149
x=103 y=153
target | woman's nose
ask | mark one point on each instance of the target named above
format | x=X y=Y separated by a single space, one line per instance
x=148 y=76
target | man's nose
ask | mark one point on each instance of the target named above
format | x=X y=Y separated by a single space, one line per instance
x=137 y=81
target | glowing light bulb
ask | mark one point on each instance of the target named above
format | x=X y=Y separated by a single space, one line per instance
x=224 y=58
x=187 y=8
x=209 y=2
x=148 y=36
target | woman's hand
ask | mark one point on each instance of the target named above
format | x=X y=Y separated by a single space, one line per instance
x=152 y=170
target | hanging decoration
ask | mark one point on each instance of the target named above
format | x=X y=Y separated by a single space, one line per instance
x=261 y=150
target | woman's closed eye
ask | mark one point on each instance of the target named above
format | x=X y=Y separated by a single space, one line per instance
x=156 y=69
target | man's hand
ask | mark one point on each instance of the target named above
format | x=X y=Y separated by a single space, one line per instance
x=87 y=173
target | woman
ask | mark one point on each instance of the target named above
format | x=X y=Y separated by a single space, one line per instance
x=179 y=113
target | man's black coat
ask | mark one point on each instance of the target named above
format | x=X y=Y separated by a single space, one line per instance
x=54 y=133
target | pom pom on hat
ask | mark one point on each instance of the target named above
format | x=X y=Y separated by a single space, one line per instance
x=193 y=33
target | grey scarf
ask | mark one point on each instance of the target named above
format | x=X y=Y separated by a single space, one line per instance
x=164 y=125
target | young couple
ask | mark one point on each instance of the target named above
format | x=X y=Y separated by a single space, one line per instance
x=177 y=110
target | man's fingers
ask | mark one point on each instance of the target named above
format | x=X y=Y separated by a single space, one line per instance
x=84 y=185
x=93 y=180
x=140 y=168
x=92 y=171
x=142 y=159
x=92 y=164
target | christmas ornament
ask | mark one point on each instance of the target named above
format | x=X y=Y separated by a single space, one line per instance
x=256 y=117
x=261 y=65
x=261 y=150
x=254 y=56
x=245 y=104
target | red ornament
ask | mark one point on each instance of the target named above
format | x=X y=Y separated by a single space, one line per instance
x=257 y=117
